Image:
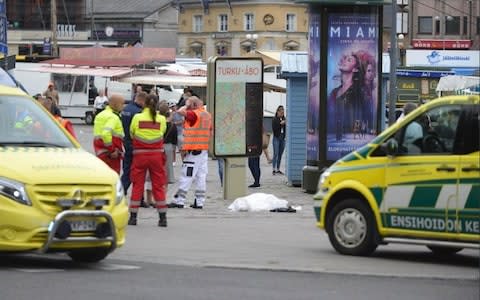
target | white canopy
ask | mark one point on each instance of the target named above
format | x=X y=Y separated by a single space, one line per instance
x=161 y=79
x=456 y=82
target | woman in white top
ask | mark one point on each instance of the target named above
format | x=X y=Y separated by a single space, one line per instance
x=100 y=102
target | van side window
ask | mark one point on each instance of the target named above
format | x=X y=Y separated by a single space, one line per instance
x=468 y=133
x=433 y=132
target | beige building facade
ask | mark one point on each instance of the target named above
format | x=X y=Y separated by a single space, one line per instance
x=448 y=25
x=235 y=28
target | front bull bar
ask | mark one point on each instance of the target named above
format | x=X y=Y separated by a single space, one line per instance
x=51 y=239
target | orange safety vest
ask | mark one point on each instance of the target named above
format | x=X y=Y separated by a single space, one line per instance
x=197 y=136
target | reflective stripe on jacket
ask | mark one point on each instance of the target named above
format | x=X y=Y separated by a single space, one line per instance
x=197 y=136
x=145 y=133
x=108 y=132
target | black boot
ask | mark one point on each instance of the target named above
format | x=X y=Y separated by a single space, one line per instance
x=133 y=219
x=162 y=222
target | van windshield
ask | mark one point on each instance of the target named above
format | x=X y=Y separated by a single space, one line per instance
x=24 y=123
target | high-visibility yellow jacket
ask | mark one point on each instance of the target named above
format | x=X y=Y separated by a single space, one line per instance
x=145 y=133
x=197 y=136
x=108 y=132
x=23 y=121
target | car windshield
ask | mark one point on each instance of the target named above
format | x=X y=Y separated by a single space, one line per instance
x=24 y=123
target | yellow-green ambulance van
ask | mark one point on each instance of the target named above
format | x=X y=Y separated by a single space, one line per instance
x=418 y=182
x=54 y=196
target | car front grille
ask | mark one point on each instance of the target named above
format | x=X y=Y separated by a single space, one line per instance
x=48 y=197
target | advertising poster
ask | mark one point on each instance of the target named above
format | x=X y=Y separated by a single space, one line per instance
x=313 y=87
x=3 y=28
x=352 y=82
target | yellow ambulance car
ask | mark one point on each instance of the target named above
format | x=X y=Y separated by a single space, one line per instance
x=54 y=196
x=418 y=182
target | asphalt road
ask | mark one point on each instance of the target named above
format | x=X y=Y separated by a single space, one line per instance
x=57 y=278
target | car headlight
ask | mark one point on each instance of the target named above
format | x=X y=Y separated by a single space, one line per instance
x=119 y=193
x=323 y=178
x=14 y=190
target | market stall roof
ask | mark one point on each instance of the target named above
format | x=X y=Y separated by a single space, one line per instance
x=113 y=57
x=162 y=79
x=269 y=57
x=457 y=82
x=179 y=80
x=75 y=70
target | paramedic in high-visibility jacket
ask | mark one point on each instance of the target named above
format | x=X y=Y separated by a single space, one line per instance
x=196 y=138
x=146 y=131
x=108 y=133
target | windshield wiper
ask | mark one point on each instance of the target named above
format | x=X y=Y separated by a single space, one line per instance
x=32 y=144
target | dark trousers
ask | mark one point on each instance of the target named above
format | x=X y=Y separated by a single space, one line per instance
x=127 y=164
x=254 y=166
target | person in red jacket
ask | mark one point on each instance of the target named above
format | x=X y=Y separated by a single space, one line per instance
x=108 y=133
x=147 y=130
x=49 y=104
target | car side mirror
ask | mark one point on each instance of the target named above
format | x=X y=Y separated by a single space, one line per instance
x=391 y=147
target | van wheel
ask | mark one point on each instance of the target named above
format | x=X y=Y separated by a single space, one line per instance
x=444 y=251
x=89 y=255
x=351 y=228
x=89 y=118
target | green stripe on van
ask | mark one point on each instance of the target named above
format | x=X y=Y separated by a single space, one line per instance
x=473 y=200
x=425 y=196
x=378 y=194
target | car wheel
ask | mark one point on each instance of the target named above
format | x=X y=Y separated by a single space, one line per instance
x=444 y=251
x=89 y=118
x=351 y=228
x=89 y=255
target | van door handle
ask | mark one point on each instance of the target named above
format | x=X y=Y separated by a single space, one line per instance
x=446 y=169
x=471 y=169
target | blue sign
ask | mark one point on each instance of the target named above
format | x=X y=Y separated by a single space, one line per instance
x=3 y=28
x=424 y=74
x=47 y=46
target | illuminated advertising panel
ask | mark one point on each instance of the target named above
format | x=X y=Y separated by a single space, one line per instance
x=352 y=82
x=238 y=116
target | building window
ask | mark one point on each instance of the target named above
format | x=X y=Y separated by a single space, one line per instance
x=465 y=25
x=223 y=23
x=197 y=23
x=249 y=22
x=222 y=50
x=452 y=25
x=425 y=25
x=437 y=27
x=291 y=22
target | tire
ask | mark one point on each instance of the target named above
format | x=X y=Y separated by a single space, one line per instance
x=89 y=118
x=444 y=251
x=351 y=228
x=89 y=255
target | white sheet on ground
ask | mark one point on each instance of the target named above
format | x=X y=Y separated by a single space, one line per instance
x=257 y=202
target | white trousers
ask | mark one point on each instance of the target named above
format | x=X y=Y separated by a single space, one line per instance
x=194 y=168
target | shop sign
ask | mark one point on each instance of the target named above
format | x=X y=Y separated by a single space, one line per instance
x=439 y=58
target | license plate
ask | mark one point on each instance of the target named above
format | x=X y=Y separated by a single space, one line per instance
x=83 y=225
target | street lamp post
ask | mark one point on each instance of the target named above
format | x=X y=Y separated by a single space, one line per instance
x=393 y=66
